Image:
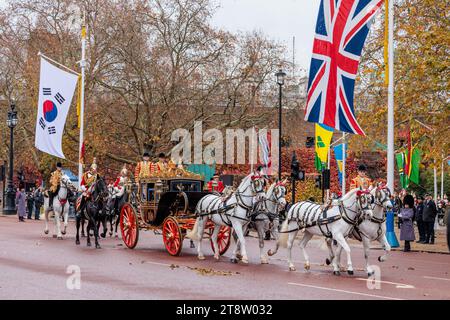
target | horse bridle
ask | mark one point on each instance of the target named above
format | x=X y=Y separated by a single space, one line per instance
x=358 y=212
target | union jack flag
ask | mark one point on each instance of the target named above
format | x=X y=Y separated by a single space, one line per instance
x=341 y=30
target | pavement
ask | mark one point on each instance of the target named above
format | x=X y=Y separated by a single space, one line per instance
x=38 y=266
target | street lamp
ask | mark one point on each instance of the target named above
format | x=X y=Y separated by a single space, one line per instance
x=10 y=203
x=280 y=81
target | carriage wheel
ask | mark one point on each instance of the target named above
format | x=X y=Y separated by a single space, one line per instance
x=129 y=226
x=223 y=239
x=172 y=236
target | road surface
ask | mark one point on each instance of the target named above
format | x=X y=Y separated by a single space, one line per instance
x=36 y=266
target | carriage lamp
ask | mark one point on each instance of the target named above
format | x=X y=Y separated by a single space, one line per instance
x=158 y=190
x=10 y=201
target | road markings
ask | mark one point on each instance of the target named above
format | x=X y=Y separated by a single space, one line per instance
x=398 y=285
x=436 y=278
x=344 y=291
x=157 y=263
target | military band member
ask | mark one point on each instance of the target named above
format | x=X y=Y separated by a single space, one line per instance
x=144 y=168
x=361 y=180
x=55 y=180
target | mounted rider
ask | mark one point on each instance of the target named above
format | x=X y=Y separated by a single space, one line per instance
x=87 y=180
x=119 y=186
x=55 y=180
x=361 y=180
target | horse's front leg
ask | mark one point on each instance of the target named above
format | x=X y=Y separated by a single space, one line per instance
x=214 y=241
x=260 y=228
x=386 y=246
x=96 y=235
x=88 y=232
x=78 y=222
x=237 y=226
x=339 y=237
x=201 y=227
x=46 y=220
x=366 y=246
x=65 y=211
x=276 y=234
x=58 y=224
x=105 y=227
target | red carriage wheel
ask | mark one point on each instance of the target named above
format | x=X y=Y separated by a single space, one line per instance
x=172 y=236
x=129 y=226
x=223 y=239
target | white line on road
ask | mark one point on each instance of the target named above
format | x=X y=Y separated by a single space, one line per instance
x=398 y=285
x=436 y=278
x=344 y=291
x=157 y=263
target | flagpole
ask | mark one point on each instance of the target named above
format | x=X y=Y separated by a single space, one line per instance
x=344 y=156
x=390 y=137
x=83 y=66
x=442 y=178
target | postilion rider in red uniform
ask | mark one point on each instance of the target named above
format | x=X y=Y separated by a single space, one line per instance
x=215 y=184
x=87 y=180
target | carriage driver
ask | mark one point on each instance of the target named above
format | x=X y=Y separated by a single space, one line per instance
x=119 y=186
x=361 y=180
x=88 y=179
x=55 y=180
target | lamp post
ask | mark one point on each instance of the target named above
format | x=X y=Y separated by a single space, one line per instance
x=10 y=201
x=280 y=81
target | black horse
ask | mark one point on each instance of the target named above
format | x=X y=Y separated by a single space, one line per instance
x=113 y=208
x=93 y=212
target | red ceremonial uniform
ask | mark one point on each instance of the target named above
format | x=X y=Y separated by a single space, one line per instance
x=219 y=187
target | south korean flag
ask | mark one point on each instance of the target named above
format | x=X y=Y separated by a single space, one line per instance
x=56 y=89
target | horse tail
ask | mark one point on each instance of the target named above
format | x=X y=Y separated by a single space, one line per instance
x=284 y=235
x=193 y=233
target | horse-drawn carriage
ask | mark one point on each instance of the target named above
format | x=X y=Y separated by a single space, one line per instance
x=165 y=202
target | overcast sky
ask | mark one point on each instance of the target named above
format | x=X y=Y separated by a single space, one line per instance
x=279 y=19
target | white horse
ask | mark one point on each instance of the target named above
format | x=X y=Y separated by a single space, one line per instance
x=233 y=212
x=372 y=228
x=266 y=216
x=60 y=207
x=339 y=221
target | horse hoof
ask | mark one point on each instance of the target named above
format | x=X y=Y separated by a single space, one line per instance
x=337 y=273
x=217 y=257
x=97 y=246
x=46 y=231
x=291 y=268
x=77 y=242
x=270 y=253
x=327 y=261
x=307 y=266
x=263 y=261
x=103 y=235
x=350 y=272
x=238 y=256
x=244 y=261
x=201 y=257
x=63 y=232
x=60 y=238
x=54 y=236
x=88 y=244
x=234 y=260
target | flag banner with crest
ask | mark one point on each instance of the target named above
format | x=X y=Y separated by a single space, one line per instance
x=324 y=134
x=339 y=155
x=341 y=31
x=56 y=89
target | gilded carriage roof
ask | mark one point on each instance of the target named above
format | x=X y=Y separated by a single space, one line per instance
x=170 y=174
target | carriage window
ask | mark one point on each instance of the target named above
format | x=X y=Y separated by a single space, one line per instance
x=186 y=186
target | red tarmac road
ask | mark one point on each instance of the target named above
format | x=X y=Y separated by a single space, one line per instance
x=34 y=265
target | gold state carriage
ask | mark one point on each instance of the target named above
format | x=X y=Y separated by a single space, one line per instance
x=166 y=201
